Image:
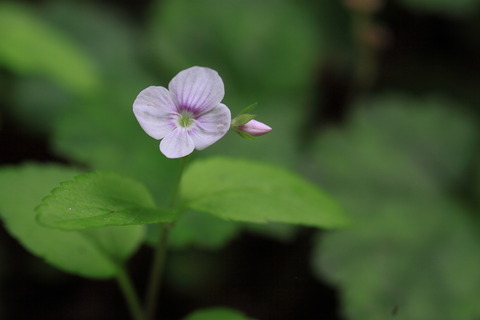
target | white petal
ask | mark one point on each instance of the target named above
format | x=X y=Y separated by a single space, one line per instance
x=211 y=126
x=155 y=111
x=197 y=89
x=177 y=144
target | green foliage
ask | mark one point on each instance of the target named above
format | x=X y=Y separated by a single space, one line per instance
x=98 y=200
x=108 y=39
x=400 y=146
x=216 y=314
x=248 y=191
x=32 y=46
x=409 y=252
x=242 y=119
x=95 y=253
x=415 y=257
x=113 y=141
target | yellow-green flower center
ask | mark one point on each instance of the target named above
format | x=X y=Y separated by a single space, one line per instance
x=185 y=119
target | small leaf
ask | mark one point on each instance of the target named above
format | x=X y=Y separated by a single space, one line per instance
x=253 y=192
x=245 y=135
x=100 y=199
x=242 y=119
x=216 y=314
x=249 y=108
x=94 y=254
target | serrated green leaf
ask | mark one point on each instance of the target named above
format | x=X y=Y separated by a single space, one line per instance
x=100 y=199
x=415 y=258
x=216 y=314
x=30 y=45
x=248 y=191
x=409 y=254
x=115 y=143
x=94 y=254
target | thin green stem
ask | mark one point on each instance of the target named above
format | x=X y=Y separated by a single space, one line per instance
x=130 y=294
x=176 y=190
x=153 y=287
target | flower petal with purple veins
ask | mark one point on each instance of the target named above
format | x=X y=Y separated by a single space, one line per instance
x=188 y=116
x=211 y=126
x=196 y=89
x=154 y=110
x=177 y=144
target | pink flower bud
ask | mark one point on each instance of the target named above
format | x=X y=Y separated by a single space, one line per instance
x=254 y=128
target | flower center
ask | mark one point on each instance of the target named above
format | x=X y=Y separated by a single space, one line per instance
x=186 y=119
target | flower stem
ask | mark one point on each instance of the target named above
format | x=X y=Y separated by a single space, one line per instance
x=156 y=271
x=158 y=263
x=129 y=293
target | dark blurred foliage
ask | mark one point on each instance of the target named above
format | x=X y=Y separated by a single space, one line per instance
x=378 y=103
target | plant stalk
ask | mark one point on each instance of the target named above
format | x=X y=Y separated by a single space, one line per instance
x=155 y=279
x=130 y=294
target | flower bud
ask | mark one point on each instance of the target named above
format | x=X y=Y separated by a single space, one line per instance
x=254 y=128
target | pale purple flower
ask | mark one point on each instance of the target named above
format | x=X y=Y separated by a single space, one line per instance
x=188 y=115
x=254 y=128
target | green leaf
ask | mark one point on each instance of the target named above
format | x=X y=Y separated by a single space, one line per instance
x=410 y=251
x=114 y=140
x=242 y=119
x=115 y=143
x=249 y=108
x=254 y=192
x=413 y=257
x=395 y=146
x=100 y=199
x=216 y=314
x=95 y=253
x=31 y=46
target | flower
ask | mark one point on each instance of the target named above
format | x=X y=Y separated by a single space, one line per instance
x=188 y=115
x=254 y=128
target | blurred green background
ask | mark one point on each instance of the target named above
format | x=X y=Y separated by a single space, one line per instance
x=375 y=101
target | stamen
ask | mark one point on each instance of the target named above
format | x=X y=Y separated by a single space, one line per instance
x=185 y=119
